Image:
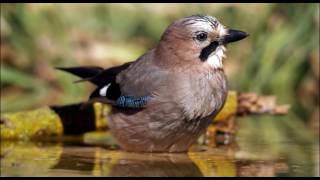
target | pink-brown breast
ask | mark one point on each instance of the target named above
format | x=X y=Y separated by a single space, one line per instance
x=176 y=116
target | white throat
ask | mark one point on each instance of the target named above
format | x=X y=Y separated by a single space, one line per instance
x=216 y=57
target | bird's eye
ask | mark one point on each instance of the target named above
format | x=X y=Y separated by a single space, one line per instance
x=202 y=36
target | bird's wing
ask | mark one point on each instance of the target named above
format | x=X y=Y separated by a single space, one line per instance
x=142 y=78
x=100 y=77
x=133 y=86
x=129 y=85
x=85 y=72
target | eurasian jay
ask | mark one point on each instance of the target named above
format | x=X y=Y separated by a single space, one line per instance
x=164 y=100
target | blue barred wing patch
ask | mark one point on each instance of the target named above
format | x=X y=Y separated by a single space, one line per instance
x=132 y=102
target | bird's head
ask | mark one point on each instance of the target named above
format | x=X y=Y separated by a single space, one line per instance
x=198 y=38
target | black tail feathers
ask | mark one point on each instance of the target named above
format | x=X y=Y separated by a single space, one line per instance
x=86 y=73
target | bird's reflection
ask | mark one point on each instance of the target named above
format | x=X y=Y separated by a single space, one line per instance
x=73 y=160
x=103 y=162
x=155 y=165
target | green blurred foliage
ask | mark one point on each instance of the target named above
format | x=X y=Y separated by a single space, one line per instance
x=278 y=58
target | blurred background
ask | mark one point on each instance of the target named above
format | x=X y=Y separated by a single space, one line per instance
x=281 y=56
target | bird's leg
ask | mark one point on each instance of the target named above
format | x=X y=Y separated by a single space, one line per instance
x=221 y=132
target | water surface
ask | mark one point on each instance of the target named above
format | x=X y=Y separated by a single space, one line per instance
x=264 y=146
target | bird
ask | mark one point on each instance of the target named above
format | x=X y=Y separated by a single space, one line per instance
x=165 y=99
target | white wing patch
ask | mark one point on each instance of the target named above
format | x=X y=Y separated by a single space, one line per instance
x=103 y=91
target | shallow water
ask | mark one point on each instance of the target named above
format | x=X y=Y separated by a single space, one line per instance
x=265 y=146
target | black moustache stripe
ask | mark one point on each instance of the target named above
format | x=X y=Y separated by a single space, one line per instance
x=208 y=50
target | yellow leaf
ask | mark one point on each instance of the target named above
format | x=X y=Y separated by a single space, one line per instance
x=230 y=107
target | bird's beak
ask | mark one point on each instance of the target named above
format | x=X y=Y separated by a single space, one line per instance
x=233 y=36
